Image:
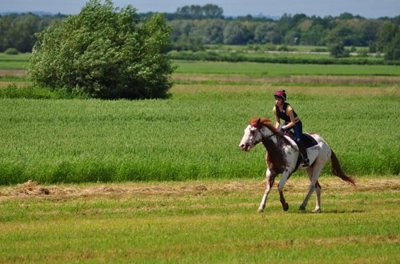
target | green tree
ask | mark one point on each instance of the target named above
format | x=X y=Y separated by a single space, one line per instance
x=392 y=49
x=389 y=41
x=313 y=36
x=236 y=33
x=105 y=53
x=213 y=11
x=266 y=33
x=199 y=12
x=186 y=35
x=214 y=32
x=341 y=32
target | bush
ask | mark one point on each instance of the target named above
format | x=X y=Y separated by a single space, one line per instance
x=11 y=51
x=105 y=53
x=319 y=49
x=338 y=51
x=283 y=48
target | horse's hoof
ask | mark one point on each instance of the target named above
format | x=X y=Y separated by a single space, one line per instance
x=260 y=210
x=317 y=211
x=285 y=206
x=302 y=208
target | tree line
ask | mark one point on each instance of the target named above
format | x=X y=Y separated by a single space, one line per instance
x=195 y=26
x=18 y=31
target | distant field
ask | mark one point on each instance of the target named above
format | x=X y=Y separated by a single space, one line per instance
x=259 y=48
x=272 y=70
x=19 y=61
x=246 y=68
x=279 y=54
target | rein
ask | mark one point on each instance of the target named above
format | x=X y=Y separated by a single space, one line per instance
x=264 y=139
x=277 y=135
x=273 y=134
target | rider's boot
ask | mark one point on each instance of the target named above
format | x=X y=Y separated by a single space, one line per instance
x=303 y=153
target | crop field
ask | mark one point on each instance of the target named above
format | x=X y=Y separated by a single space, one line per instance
x=163 y=181
x=13 y=61
x=195 y=133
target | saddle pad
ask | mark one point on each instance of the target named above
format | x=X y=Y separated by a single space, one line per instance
x=308 y=140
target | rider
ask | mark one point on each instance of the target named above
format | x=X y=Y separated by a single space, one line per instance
x=283 y=110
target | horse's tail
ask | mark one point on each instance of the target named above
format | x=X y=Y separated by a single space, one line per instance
x=338 y=171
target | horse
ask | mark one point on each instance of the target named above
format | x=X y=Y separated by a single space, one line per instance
x=283 y=157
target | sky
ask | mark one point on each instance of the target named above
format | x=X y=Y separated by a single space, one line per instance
x=275 y=8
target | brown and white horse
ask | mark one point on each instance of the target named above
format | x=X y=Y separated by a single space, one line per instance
x=283 y=156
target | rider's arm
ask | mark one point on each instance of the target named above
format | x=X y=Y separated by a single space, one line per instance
x=293 y=120
x=277 y=119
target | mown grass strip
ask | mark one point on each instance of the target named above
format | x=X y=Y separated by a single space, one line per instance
x=173 y=222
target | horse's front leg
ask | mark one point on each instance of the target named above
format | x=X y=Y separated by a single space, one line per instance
x=282 y=182
x=270 y=178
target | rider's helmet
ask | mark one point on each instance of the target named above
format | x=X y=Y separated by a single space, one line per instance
x=280 y=94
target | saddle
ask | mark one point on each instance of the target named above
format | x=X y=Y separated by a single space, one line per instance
x=307 y=139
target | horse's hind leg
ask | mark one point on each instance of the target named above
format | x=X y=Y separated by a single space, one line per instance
x=314 y=173
x=318 y=202
x=317 y=191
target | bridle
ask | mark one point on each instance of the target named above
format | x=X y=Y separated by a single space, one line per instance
x=273 y=134
x=266 y=137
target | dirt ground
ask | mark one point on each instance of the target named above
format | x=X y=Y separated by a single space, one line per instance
x=12 y=72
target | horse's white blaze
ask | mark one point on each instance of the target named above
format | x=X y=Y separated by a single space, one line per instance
x=251 y=137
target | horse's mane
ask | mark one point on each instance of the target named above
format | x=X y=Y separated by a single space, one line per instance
x=262 y=121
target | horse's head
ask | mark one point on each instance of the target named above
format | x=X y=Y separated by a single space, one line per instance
x=254 y=133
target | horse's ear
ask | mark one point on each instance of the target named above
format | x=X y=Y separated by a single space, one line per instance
x=256 y=122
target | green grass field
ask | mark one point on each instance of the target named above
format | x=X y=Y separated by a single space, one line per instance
x=19 y=61
x=163 y=181
x=195 y=133
x=199 y=222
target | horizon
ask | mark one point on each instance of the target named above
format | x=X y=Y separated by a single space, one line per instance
x=45 y=13
x=256 y=8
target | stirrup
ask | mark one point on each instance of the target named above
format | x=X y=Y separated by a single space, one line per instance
x=306 y=162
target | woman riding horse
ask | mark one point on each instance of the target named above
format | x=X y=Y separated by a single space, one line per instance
x=283 y=156
x=283 y=110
